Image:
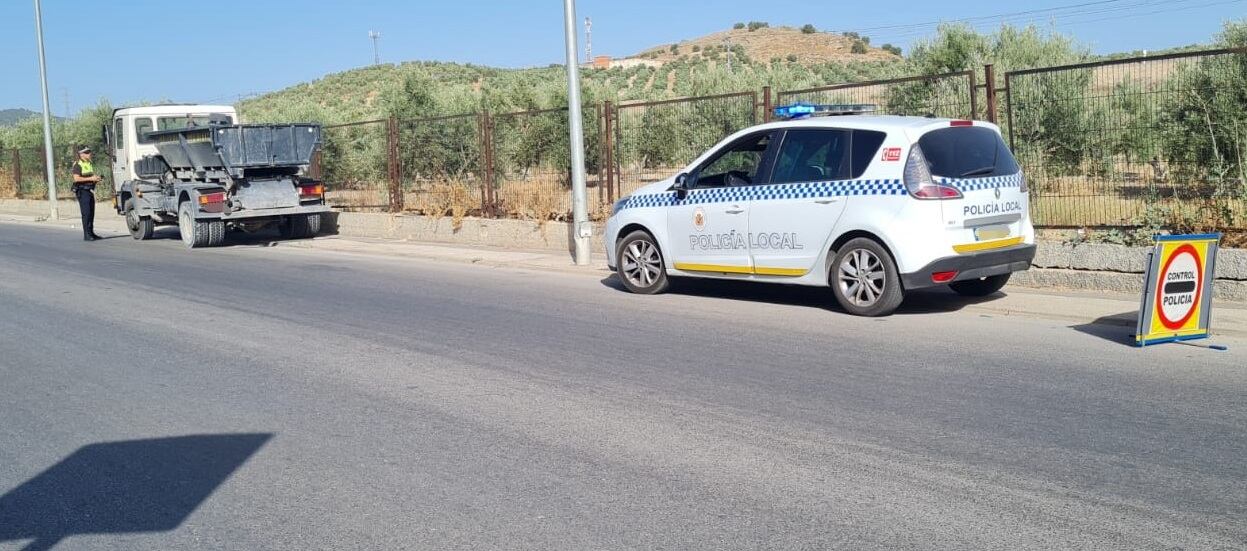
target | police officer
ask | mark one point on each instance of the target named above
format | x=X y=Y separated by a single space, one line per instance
x=84 y=189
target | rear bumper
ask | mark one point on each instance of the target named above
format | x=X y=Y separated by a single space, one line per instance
x=973 y=266
x=249 y=214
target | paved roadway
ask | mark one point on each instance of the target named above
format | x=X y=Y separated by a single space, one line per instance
x=258 y=397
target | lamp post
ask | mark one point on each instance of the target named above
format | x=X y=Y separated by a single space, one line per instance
x=47 y=116
x=581 y=230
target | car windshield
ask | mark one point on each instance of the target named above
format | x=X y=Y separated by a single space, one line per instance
x=967 y=152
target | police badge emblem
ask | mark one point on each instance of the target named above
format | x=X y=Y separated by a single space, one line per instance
x=699 y=219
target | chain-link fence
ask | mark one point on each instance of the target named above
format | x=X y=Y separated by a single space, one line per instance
x=654 y=140
x=950 y=95
x=1157 y=142
x=353 y=159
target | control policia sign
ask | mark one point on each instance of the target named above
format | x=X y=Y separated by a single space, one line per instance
x=1177 y=292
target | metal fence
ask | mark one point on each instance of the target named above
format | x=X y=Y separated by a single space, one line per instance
x=23 y=172
x=1153 y=142
x=1157 y=141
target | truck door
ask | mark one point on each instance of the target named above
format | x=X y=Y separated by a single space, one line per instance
x=121 y=161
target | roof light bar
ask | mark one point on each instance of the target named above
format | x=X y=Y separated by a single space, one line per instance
x=803 y=110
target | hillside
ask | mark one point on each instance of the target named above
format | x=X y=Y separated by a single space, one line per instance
x=781 y=57
x=10 y=117
x=771 y=44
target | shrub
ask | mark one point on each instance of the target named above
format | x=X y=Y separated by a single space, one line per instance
x=851 y=35
x=808 y=29
x=858 y=47
x=696 y=48
x=738 y=26
x=792 y=58
x=894 y=50
x=675 y=48
x=755 y=25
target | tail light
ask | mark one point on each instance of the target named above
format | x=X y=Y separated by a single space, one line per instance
x=920 y=183
x=943 y=277
x=210 y=198
x=313 y=190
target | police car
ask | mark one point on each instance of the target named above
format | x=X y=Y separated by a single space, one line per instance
x=832 y=195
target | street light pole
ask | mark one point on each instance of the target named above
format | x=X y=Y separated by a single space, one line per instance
x=581 y=230
x=47 y=116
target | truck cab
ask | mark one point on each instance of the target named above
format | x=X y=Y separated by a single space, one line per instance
x=127 y=135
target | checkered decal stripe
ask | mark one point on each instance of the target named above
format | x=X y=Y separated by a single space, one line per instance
x=807 y=190
x=978 y=184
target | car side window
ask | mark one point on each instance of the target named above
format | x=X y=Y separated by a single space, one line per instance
x=866 y=145
x=141 y=127
x=736 y=164
x=812 y=156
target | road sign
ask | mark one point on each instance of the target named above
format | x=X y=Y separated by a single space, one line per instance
x=1177 y=290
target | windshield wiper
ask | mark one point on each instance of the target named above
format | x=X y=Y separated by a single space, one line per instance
x=979 y=171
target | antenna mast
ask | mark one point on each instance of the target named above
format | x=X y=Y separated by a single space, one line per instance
x=376 y=52
x=588 y=40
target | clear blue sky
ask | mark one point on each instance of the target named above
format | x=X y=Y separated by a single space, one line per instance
x=135 y=50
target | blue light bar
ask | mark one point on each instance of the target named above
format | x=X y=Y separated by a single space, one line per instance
x=803 y=110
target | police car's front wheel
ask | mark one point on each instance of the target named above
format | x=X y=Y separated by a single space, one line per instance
x=639 y=264
x=864 y=279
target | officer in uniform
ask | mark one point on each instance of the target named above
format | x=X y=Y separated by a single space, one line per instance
x=84 y=189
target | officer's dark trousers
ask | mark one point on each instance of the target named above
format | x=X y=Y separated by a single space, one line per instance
x=86 y=205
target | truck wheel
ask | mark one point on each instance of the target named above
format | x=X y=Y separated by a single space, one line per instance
x=216 y=233
x=140 y=227
x=194 y=232
x=865 y=280
x=300 y=226
x=980 y=287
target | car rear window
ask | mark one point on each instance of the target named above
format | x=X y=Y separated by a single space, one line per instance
x=967 y=152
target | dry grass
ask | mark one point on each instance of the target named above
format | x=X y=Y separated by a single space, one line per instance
x=8 y=188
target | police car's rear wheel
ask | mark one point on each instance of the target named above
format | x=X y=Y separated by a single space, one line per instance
x=980 y=287
x=864 y=279
x=640 y=264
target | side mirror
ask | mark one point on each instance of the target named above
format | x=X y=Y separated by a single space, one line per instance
x=104 y=135
x=681 y=185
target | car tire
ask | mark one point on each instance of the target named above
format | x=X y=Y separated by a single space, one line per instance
x=216 y=233
x=195 y=233
x=640 y=265
x=141 y=227
x=864 y=279
x=980 y=287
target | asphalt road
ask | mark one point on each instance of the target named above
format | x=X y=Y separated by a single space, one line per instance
x=256 y=397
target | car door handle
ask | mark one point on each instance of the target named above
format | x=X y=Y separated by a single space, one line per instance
x=735 y=211
x=826 y=201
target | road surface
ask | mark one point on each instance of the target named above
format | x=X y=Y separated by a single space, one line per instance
x=255 y=397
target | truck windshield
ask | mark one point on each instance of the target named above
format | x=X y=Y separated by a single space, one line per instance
x=967 y=152
x=178 y=123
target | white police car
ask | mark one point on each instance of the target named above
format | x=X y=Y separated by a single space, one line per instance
x=872 y=206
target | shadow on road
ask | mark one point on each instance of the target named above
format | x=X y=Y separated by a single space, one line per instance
x=926 y=301
x=1118 y=328
x=267 y=237
x=123 y=487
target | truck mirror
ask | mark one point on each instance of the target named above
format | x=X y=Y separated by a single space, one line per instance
x=104 y=135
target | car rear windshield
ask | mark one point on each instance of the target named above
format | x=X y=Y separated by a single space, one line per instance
x=967 y=152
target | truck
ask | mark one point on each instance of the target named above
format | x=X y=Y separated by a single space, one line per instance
x=197 y=168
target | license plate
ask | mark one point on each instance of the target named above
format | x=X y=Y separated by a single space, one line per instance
x=988 y=233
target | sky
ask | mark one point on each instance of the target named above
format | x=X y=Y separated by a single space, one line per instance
x=129 y=51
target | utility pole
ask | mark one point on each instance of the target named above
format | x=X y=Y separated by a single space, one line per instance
x=376 y=51
x=47 y=116
x=588 y=40
x=581 y=230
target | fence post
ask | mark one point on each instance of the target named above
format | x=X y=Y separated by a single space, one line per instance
x=314 y=169
x=767 y=108
x=989 y=76
x=608 y=154
x=17 y=172
x=484 y=134
x=396 y=184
